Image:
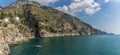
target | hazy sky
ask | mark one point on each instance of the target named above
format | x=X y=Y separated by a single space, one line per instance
x=101 y=14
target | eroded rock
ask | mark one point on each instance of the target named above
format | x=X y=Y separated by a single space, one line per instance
x=9 y=37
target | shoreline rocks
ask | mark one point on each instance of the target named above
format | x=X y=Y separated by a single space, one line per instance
x=59 y=34
x=4 y=48
x=12 y=36
x=9 y=37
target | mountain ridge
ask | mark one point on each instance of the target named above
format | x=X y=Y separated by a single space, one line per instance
x=51 y=21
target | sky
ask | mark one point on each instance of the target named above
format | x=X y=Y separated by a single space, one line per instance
x=101 y=14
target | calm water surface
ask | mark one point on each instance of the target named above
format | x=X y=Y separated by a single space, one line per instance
x=78 y=45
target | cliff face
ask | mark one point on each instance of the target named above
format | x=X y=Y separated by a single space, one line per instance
x=49 y=21
x=9 y=36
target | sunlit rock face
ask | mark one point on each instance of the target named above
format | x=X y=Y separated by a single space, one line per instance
x=9 y=36
x=4 y=48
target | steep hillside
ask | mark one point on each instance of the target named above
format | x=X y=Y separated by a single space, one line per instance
x=0 y=9
x=34 y=19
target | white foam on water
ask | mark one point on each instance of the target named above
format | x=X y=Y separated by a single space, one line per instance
x=38 y=46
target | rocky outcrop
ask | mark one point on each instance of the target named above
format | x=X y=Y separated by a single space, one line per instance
x=4 y=48
x=9 y=36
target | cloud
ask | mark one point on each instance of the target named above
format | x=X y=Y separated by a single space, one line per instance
x=90 y=10
x=45 y=2
x=116 y=0
x=88 y=6
x=106 y=1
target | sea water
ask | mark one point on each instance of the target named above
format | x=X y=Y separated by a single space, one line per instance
x=70 y=45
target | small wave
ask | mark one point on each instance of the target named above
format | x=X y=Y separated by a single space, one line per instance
x=38 y=46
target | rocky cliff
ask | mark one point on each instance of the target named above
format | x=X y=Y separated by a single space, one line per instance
x=9 y=36
x=46 y=20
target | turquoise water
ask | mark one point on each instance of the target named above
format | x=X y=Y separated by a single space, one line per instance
x=78 y=45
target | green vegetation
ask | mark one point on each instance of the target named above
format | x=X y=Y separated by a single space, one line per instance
x=50 y=20
x=4 y=24
x=2 y=15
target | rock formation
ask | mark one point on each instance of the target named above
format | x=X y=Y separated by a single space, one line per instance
x=47 y=21
x=9 y=36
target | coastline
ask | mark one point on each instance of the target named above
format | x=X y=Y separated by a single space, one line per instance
x=59 y=34
x=11 y=37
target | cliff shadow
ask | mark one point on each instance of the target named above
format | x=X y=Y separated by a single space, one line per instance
x=31 y=21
